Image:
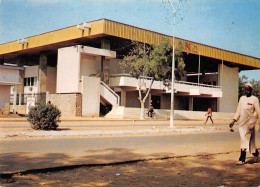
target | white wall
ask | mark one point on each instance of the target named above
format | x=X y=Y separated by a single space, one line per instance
x=90 y=65
x=8 y=75
x=229 y=86
x=4 y=95
x=51 y=80
x=90 y=96
x=68 y=70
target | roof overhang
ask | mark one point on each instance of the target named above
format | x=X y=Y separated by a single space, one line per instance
x=73 y=36
x=97 y=52
x=11 y=67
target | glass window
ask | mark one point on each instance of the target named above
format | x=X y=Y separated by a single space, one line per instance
x=35 y=81
x=30 y=81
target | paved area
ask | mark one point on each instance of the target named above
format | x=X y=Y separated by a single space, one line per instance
x=90 y=141
x=10 y=127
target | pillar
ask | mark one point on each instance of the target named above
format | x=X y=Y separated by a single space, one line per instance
x=123 y=98
x=105 y=44
x=190 y=103
x=42 y=74
x=149 y=99
x=102 y=68
x=20 y=99
x=20 y=87
x=15 y=99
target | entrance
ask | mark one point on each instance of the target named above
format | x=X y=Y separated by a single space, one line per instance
x=202 y=104
x=156 y=101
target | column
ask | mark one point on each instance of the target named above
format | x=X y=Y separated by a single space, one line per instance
x=42 y=76
x=105 y=44
x=20 y=87
x=106 y=71
x=15 y=99
x=102 y=68
x=190 y=103
x=149 y=99
x=20 y=99
x=123 y=98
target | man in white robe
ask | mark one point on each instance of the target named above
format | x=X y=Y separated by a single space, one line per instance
x=247 y=112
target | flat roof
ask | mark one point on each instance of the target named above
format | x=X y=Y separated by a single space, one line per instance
x=104 y=27
x=11 y=67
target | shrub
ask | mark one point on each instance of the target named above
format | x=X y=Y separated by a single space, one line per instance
x=44 y=116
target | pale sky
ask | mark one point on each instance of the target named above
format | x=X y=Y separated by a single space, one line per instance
x=233 y=25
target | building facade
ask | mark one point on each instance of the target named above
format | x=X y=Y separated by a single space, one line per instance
x=77 y=68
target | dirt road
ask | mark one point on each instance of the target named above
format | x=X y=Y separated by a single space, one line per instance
x=210 y=170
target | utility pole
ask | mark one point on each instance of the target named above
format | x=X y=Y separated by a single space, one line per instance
x=175 y=14
x=173 y=76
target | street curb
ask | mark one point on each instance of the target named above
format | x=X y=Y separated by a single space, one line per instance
x=89 y=119
x=111 y=132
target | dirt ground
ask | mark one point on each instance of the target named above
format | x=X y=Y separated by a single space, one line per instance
x=206 y=170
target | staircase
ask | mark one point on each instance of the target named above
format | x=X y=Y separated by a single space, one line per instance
x=108 y=96
x=121 y=112
x=117 y=112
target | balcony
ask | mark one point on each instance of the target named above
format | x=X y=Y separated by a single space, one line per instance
x=180 y=87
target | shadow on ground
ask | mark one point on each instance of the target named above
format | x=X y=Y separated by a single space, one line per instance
x=203 y=170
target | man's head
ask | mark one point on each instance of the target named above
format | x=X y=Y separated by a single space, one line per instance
x=248 y=89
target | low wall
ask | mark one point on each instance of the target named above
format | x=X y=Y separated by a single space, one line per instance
x=20 y=109
x=178 y=114
x=69 y=104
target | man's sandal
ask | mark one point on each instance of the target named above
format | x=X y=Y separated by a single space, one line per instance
x=240 y=163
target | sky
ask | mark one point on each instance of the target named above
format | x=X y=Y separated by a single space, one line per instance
x=233 y=25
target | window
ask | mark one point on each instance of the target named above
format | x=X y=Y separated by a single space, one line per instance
x=30 y=81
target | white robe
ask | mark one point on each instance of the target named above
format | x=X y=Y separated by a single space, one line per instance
x=247 y=112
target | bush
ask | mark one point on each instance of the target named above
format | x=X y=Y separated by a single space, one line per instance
x=44 y=116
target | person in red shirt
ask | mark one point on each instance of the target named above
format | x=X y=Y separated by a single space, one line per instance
x=150 y=111
x=209 y=113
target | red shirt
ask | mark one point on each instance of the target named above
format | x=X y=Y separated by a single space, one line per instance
x=209 y=112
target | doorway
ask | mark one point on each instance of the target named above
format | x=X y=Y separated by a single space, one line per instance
x=156 y=101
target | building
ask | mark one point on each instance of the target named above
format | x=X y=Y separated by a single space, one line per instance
x=77 y=69
x=9 y=76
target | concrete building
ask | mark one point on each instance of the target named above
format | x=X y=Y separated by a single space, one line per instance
x=9 y=78
x=77 y=69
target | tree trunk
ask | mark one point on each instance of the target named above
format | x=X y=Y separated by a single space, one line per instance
x=142 y=113
x=142 y=101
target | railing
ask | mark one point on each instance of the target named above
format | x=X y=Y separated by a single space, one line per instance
x=169 y=82
x=111 y=91
x=22 y=98
x=197 y=84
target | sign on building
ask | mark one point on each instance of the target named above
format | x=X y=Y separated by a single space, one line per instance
x=30 y=103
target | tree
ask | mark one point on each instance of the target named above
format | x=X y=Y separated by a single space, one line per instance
x=242 y=82
x=153 y=61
